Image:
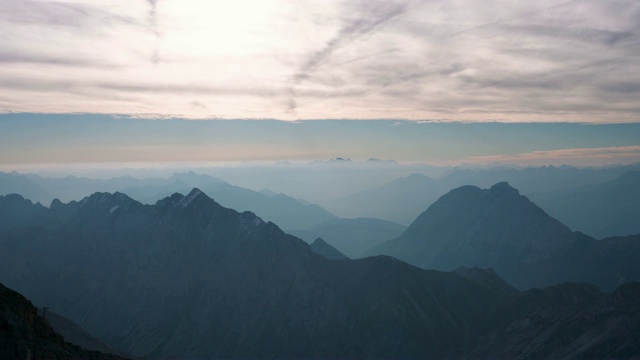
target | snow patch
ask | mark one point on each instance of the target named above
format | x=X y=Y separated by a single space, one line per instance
x=114 y=208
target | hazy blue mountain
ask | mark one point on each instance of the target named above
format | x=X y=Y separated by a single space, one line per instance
x=541 y=179
x=352 y=237
x=290 y=213
x=14 y=183
x=321 y=247
x=268 y=192
x=284 y=210
x=404 y=198
x=399 y=201
x=75 y=188
x=26 y=335
x=600 y=210
x=186 y=277
x=502 y=229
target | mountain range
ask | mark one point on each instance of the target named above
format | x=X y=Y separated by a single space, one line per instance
x=600 y=210
x=399 y=201
x=187 y=277
x=504 y=230
x=600 y=202
x=288 y=212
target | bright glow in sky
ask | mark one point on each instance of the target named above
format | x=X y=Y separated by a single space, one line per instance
x=547 y=61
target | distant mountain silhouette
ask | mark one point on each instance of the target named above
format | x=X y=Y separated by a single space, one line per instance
x=14 y=183
x=540 y=179
x=502 y=229
x=321 y=247
x=399 y=201
x=607 y=209
x=404 y=198
x=288 y=212
x=26 y=335
x=186 y=277
x=352 y=237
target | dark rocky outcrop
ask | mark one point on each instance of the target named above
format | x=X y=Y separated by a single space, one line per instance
x=26 y=335
x=581 y=324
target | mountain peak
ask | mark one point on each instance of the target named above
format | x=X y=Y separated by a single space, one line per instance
x=503 y=188
x=494 y=227
x=102 y=198
x=194 y=195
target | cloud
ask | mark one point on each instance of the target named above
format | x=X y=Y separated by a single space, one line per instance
x=463 y=60
x=576 y=157
x=153 y=24
x=371 y=16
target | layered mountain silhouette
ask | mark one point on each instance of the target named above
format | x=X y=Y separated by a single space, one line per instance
x=353 y=237
x=399 y=201
x=321 y=247
x=187 y=277
x=26 y=335
x=288 y=212
x=600 y=202
x=501 y=229
x=600 y=210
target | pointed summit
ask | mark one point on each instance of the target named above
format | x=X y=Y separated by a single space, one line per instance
x=494 y=227
x=193 y=194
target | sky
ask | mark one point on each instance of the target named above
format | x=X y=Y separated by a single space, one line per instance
x=111 y=81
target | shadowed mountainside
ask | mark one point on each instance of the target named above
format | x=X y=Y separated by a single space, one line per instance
x=187 y=277
x=502 y=229
x=26 y=335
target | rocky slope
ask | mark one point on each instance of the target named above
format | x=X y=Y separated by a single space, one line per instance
x=588 y=325
x=26 y=335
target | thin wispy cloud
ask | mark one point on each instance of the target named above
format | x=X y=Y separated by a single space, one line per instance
x=463 y=60
x=577 y=157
